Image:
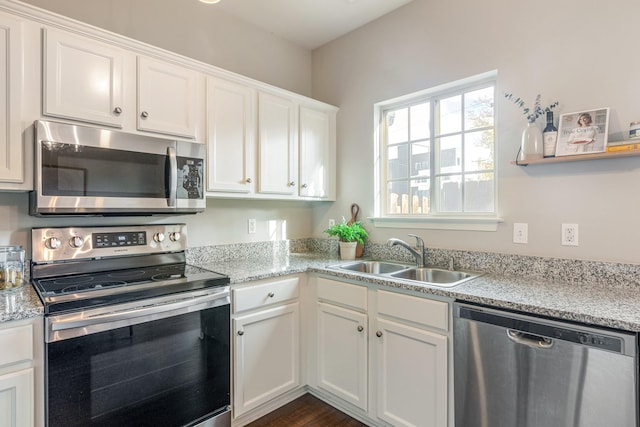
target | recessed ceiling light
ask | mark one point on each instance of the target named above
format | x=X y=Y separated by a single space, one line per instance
x=210 y=1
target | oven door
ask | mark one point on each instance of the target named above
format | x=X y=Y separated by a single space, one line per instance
x=165 y=363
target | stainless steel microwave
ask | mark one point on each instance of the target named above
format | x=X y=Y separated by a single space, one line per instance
x=80 y=170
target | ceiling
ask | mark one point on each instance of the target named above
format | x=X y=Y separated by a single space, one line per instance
x=309 y=23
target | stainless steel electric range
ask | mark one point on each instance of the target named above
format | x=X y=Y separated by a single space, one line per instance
x=134 y=336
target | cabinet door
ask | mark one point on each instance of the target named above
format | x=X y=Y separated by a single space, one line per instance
x=16 y=399
x=315 y=155
x=411 y=375
x=266 y=356
x=277 y=145
x=230 y=136
x=167 y=98
x=11 y=84
x=83 y=79
x=342 y=353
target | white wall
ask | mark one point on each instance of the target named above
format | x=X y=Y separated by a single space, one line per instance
x=223 y=222
x=582 y=53
x=199 y=31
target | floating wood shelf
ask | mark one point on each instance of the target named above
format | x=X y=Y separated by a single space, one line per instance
x=581 y=157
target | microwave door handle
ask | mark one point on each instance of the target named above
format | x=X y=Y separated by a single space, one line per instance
x=173 y=176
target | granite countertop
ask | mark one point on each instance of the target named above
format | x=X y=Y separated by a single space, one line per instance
x=615 y=306
x=20 y=303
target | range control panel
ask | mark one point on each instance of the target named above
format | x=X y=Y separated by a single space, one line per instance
x=110 y=240
x=75 y=243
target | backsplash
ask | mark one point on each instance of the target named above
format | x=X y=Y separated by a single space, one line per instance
x=566 y=270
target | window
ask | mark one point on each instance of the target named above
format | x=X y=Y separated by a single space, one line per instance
x=437 y=152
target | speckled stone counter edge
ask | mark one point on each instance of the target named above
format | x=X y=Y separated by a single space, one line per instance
x=24 y=303
x=507 y=265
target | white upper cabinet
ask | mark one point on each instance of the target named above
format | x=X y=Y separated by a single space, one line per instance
x=167 y=98
x=83 y=79
x=317 y=153
x=11 y=84
x=95 y=82
x=260 y=142
x=277 y=144
x=231 y=125
x=263 y=142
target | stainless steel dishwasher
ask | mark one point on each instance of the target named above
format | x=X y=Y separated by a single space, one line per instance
x=513 y=370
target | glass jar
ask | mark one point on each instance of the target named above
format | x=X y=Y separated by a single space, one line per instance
x=11 y=267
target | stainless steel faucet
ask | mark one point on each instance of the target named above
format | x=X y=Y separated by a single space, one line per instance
x=417 y=251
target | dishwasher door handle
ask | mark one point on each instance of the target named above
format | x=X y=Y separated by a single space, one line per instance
x=530 y=340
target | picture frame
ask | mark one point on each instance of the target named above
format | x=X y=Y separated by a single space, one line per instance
x=583 y=132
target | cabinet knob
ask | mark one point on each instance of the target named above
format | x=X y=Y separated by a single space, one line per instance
x=249 y=180
x=144 y=114
x=360 y=328
x=241 y=333
x=292 y=183
x=271 y=294
x=379 y=334
x=117 y=110
x=304 y=185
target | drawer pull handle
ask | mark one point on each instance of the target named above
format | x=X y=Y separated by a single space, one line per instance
x=240 y=332
x=379 y=334
x=360 y=328
x=271 y=294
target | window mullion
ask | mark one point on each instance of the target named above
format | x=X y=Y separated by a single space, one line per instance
x=433 y=204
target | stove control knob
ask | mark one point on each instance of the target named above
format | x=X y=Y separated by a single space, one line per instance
x=76 y=242
x=53 y=243
x=175 y=236
x=158 y=237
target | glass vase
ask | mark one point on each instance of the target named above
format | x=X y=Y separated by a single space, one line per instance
x=532 y=142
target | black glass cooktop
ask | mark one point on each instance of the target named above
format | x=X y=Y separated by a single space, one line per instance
x=80 y=291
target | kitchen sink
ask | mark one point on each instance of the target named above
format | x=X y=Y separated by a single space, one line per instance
x=374 y=267
x=435 y=276
x=423 y=275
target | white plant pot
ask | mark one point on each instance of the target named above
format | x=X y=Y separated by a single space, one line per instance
x=348 y=250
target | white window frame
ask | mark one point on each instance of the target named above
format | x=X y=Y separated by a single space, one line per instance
x=437 y=220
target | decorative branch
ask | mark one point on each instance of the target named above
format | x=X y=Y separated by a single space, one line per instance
x=531 y=114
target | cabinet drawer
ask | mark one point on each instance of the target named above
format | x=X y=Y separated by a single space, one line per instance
x=16 y=344
x=423 y=311
x=256 y=296
x=344 y=294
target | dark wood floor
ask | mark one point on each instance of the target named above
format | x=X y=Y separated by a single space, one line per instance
x=307 y=411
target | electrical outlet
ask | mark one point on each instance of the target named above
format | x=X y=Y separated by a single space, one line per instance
x=251 y=226
x=332 y=222
x=520 y=232
x=570 y=234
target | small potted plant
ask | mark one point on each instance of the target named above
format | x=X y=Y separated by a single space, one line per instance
x=349 y=235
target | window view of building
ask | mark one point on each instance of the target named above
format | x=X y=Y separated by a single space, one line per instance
x=438 y=153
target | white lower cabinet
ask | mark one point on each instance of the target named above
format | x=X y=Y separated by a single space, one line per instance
x=16 y=398
x=383 y=353
x=21 y=378
x=411 y=375
x=342 y=356
x=266 y=345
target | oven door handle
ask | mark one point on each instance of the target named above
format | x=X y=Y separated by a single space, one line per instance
x=73 y=325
